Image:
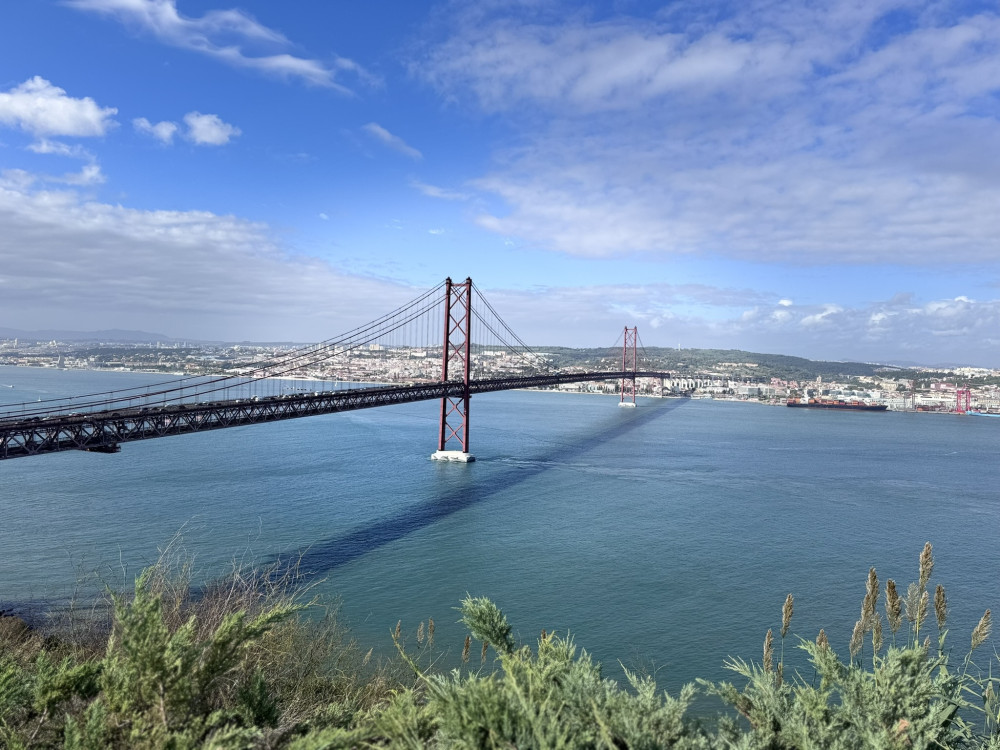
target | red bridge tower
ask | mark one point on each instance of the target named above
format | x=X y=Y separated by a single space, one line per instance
x=628 y=384
x=455 y=363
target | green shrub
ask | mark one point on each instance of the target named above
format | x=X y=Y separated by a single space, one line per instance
x=238 y=665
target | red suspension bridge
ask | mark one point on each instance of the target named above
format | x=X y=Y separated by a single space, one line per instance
x=478 y=354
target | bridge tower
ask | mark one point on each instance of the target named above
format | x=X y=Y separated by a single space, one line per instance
x=455 y=363
x=963 y=397
x=628 y=384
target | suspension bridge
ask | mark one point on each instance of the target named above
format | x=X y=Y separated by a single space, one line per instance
x=478 y=353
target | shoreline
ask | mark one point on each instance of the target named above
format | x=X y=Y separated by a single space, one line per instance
x=181 y=374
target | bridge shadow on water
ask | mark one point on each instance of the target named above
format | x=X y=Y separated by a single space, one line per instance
x=327 y=555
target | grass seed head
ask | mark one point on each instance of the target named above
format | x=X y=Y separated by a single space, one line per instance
x=857 y=638
x=821 y=640
x=940 y=606
x=982 y=630
x=871 y=599
x=786 y=614
x=430 y=631
x=420 y=633
x=912 y=603
x=893 y=606
x=465 y=651
x=926 y=565
x=877 y=633
x=922 y=609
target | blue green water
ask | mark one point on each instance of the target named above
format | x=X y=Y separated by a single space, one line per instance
x=665 y=537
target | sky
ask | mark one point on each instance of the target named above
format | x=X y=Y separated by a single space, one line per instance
x=819 y=179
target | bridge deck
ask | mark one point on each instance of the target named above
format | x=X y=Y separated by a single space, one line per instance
x=104 y=431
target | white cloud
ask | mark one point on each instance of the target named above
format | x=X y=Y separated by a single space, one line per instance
x=18 y=180
x=394 y=142
x=163 y=131
x=324 y=216
x=88 y=175
x=42 y=109
x=433 y=191
x=826 y=317
x=58 y=148
x=213 y=33
x=209 y=130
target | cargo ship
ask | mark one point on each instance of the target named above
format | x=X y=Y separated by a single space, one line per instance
x=830 y=403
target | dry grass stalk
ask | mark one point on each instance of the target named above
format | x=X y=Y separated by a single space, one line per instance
x=544 y=634
x=769 y=651
x=926 y=566
x=857 y=638
x=821 y=640
x=18 y=641
x=922 y=610
x=912 y=603
x=482 y=657
x=430 y=632
x=940 y=607
x=420 y=633
x=982 y=630
x=398 y=631
x=465 y=650
x=893 y=606
x=786 y=614
x=877 y=633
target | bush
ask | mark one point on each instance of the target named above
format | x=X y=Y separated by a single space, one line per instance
x=237 y=665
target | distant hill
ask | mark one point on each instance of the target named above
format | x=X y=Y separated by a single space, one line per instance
x=732 y=363
x=114 y=335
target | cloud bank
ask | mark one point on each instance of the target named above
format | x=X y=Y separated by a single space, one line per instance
x=776 y=132
x=211 y=276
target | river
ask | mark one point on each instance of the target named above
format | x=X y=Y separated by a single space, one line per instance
x=664 y=537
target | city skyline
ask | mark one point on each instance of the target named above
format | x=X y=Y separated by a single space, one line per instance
x=819 y=182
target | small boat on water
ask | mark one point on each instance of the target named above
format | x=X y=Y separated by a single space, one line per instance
x=833 y=403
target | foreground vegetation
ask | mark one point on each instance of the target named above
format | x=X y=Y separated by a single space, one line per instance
x=238 y=665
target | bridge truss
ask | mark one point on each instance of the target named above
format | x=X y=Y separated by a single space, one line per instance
x=105 y=431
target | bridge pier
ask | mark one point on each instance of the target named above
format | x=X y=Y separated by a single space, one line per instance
x=460 y=456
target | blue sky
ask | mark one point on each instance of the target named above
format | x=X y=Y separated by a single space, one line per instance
x=816 y=179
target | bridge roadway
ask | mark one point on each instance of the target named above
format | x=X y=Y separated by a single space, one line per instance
x=104 y=431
